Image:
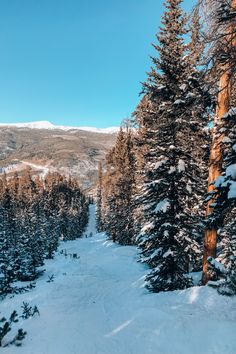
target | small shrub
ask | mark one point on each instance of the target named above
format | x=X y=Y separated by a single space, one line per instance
x=51 y=278
x=29 y=311
x=5 y=328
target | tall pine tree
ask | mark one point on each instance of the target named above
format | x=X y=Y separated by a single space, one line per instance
x=175 y=141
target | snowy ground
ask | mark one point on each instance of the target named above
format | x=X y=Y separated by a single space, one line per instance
x=97 y=305
x=45 y=170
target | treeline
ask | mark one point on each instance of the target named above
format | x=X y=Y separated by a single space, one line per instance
x=34 y=215
x=153 y=191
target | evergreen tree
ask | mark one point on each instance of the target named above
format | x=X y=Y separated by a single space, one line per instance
x=6 y=260
x=223 y=204
x=221 y=43
x=173 y=179
x=124 y=168
x=99 y=223
x=33 y=216
x=118 y=190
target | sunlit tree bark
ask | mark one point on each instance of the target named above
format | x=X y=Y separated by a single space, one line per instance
x=223 y=106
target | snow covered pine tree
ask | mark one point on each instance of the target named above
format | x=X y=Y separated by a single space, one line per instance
x=222 y=36
x=119 y=179
x=99 y=222
x=223 y=215
x=174 y=153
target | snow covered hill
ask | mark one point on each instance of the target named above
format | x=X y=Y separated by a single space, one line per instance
x=97 y=305
x=49 y=126
x=75 y=152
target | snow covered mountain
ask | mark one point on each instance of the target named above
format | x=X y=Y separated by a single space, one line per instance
x=44 y=147
x=49 y=126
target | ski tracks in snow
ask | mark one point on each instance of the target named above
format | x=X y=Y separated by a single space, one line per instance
x=97 y=304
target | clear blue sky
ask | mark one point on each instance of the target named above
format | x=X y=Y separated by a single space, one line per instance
x=74 y=62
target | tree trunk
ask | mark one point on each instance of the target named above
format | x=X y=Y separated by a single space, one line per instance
x=215 y=166
x=210 y=240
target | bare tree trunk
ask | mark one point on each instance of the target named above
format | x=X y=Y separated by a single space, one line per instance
x=210 y=240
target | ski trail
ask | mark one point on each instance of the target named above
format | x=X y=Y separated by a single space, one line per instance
x=38 y=167
x=97 y=304
x=91 y=227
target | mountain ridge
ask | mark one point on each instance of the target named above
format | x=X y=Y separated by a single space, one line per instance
x=69 y=152
x=49 y=126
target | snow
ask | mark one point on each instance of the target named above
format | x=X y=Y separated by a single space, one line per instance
x=97 y=304
x=159 y=163
x=219 y=181
x=183 y=87
x=172 y=169
x=50 y=126
x=181 y=165
x=9 y=168
x=226 y=140
x=232 y=190
x=167 y=254
x=146 y=227
x=45 y=170
x=161 y=87
x=230 y=113
x=217 y=265
x=222 y=181
x=91 y=227
x=231 y=171
x=190 y=95
x=110 y=130
x=189 y=188
x=179 y=101
x=163 y=205
x=31 y=125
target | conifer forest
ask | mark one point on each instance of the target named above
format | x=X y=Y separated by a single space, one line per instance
x=168 y=185
x=35 y=215
x=144 y=260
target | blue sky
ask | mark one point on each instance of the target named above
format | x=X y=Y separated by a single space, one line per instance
x=74 y=62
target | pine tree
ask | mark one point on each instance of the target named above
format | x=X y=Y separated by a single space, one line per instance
x=6 y=260
x=124 y=187
x=108 y=199
x=173 y=181
x=222 y=217
x=30 y=223
x=99 y=223
x=118 y=188
x=142 y=120
x=222 y=37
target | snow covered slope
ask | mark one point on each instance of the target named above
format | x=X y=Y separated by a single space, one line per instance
x=75 y=152
x=49 y=126
x=31 y=125
x=97 y=305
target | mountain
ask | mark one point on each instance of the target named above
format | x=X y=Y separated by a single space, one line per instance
x=45 y=147
x=48 y=125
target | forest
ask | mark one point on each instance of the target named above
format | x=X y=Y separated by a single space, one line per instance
x=35 y=215
x=144 y=260
x=169 y=184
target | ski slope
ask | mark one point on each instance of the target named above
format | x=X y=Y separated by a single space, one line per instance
x=45 y=170
x=97 y=305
